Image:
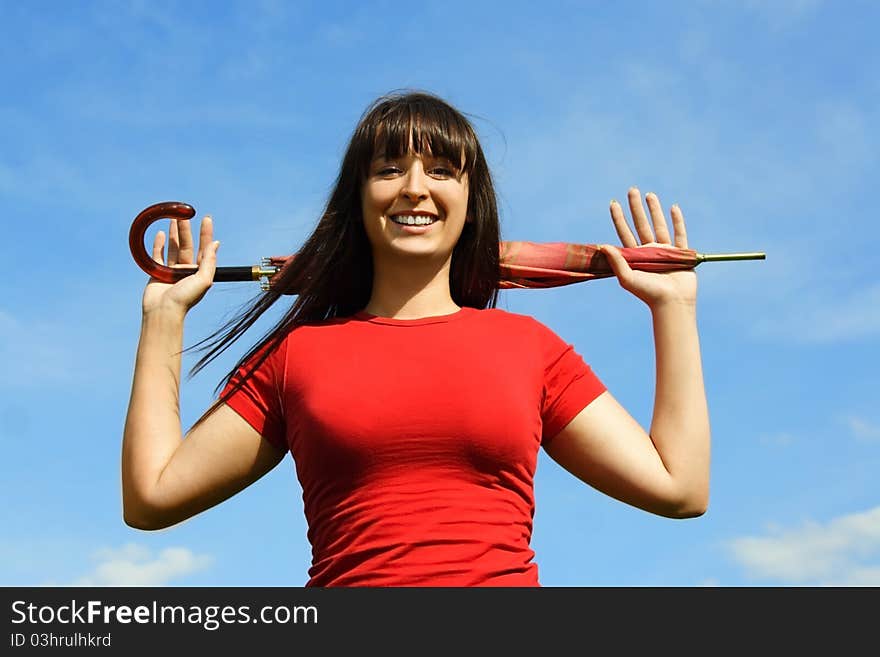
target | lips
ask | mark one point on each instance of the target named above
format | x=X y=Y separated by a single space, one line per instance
x=408 y=218
x=413 y=228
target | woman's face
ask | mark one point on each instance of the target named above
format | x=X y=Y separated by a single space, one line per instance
x=431 y=193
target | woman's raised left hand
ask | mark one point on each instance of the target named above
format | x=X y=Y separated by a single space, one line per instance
x=654 y=288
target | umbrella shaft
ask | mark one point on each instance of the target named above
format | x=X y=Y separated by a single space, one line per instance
x=717 y=257
x=226 y=274
x=254 y=273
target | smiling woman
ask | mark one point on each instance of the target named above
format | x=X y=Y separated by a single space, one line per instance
x=396 y=291
x=415 y=207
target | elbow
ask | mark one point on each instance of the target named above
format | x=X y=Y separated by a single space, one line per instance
x=683 y=502
x=690 y=495
x=139 y=519
x=145 y=522
x=136 y=522
x=692 y=506
x=678 y=507
x=133 y=524
x=138 y=514
x=691 y=512
x=133 y=507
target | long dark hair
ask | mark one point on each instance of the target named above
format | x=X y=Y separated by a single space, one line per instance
x=333 y=270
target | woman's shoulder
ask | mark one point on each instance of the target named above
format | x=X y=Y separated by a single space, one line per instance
x=505 y=316
x=514 y=321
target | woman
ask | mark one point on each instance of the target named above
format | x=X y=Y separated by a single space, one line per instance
x=413 y=408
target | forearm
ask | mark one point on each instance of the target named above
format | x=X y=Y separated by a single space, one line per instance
x=152 y=426
x=680 y=424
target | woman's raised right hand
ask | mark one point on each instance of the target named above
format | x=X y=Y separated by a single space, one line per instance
x=179 y=297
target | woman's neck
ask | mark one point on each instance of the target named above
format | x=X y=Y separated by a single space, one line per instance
x=411 y=292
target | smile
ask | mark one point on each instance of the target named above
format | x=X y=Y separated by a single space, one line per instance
x=413 y=219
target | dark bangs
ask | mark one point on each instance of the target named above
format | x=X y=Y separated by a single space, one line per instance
x=418 y=120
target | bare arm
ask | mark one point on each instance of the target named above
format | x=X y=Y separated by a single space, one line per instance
x=665 y=471
x=166 y=478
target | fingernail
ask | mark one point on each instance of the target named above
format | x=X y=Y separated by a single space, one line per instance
x=613 y=202
x=649 y=194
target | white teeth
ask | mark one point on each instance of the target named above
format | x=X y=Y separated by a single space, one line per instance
x=412 y=220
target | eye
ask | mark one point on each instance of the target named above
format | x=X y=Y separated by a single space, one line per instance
x=443 y=170
x=387 y=170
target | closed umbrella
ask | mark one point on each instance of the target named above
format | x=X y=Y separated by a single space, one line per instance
x=523 y=264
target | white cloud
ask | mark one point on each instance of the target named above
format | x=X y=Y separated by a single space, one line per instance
x=136 y=565
x=862 y=429
x=843 y=552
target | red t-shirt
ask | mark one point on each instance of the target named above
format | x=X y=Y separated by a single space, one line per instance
x=416 y=441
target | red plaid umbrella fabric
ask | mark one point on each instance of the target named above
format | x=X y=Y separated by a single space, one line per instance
x=551 y=264
x=523 y=264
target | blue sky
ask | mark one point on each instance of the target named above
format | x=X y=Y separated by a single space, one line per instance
x=753 y=116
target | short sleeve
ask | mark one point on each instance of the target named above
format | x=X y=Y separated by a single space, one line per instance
x=569 y=384
x=258 y=401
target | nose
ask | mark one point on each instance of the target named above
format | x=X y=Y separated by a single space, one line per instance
x=415 y=186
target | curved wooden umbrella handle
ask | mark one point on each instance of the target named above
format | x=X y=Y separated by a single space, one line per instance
x=148 y=216
x=165 y=274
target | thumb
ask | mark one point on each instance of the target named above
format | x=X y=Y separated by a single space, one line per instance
x=208 y=264
x=618 y=263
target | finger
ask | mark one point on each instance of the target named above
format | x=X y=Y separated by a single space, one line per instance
x=185 y=249
x=620 y=225
x=158 y=246
x=640 y=219
x=173 y=242
x=208 y=264
x=618 y=263
x=661 y=231
x=681 y=238
x=206 y=235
